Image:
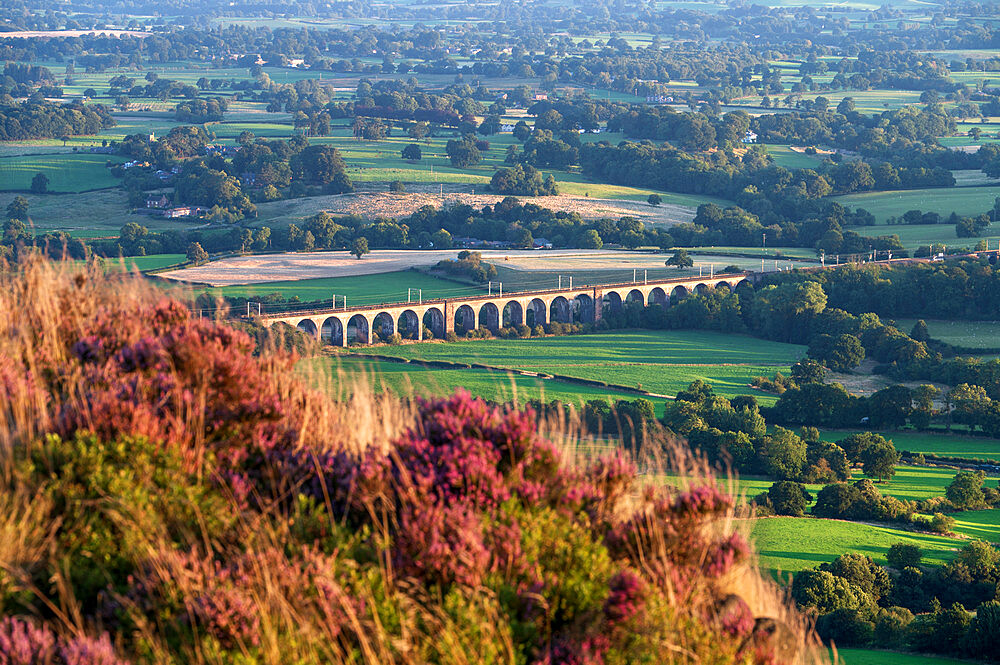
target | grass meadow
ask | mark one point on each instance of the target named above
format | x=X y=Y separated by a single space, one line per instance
x=944 y=200
x=94 y=214
x=531 y=279
x=151 y=262
x=71 y=172
x=502 y=386
x=915 y=235
x=790 y=544
x=937 y=443
x=662 y=362
x=911 y=483
x=970 y=334
x=876 y=657
x=790 y=159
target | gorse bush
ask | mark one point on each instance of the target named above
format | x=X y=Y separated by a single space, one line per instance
x=167 y=496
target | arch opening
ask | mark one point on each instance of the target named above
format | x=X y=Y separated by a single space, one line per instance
x=536 y=313
x=489 y=316
x=465 y=319
x=677 y=294
x=383 y=326
x=408 y=325
x=434 y=323
x=357 y=330
x=583 y=309
x=308 y=326
x=658 y=297
x=559 y=310
x=332 y=331
x=512 y=314
x=611 y=302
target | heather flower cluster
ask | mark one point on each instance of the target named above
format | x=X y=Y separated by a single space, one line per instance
x=145 y=380
x=470 y=494
x=193 y=502
x=23 y=642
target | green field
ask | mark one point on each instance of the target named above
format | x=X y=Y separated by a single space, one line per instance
x=89 y=214
x=498 y=385
x=915 y=235
x=791 y=544
x=784 y=156
x=963 y=200
x=914 y=483
x=662 y=362
x=972 y=178
x=151 y=262
x=875 y=657
x=359 y=290
x=911 y=483
x=943 y=443
x=970 y=334
x=778 y=253
x=979 y=524
x=66 y=172
x=515 y=280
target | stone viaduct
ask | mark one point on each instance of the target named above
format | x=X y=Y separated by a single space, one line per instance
x=352 y=325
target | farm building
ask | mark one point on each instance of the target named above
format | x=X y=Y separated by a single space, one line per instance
x=159 y=202
x=187 y=211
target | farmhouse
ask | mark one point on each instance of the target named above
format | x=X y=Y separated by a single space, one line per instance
x=158 y=202
x=186 y=211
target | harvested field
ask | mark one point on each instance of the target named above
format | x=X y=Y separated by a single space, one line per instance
x=30 y=34
x=305 y=265
x=312 y=265
x=383 y=204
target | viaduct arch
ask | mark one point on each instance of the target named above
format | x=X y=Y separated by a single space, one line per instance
x=436 y=318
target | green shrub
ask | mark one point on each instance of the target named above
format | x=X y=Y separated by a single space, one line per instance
x=109 y=499
x=941 y=523
x=847 y=627
x=904 y=555
x=891 y=627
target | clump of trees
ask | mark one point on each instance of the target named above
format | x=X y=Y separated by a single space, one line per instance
x=907 y=605
x=201 y=110
x=521 y=180
x=465 y=152
x=469 y=265
x=37 y=119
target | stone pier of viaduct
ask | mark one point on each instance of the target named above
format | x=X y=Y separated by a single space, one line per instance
x=341 y=327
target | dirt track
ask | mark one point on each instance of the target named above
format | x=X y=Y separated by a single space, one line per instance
x=382 y=204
